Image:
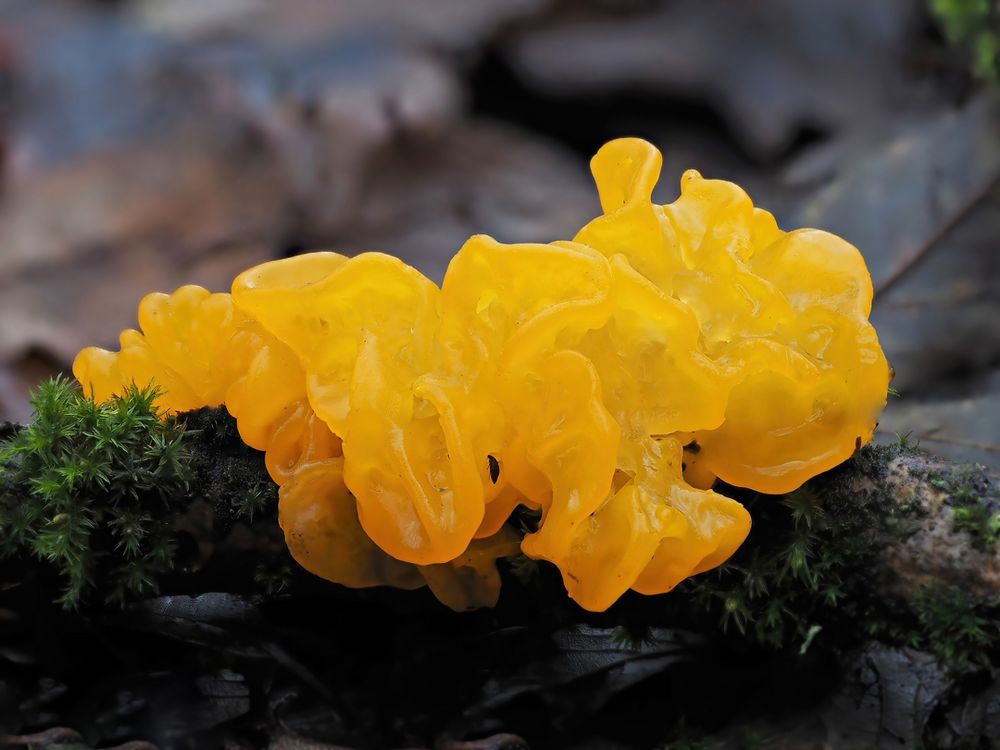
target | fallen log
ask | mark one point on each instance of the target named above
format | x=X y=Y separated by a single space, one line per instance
x=886 y=565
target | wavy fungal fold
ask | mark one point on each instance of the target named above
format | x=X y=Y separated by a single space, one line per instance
x=605 y=381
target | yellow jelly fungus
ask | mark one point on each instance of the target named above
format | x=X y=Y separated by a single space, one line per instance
x=320 y=521
x=200 y=351
x=606 y=382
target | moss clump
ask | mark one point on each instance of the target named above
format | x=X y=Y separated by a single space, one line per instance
x=979 y=523
x=806 y=571
x=974 y=501
x=955 y=629
x=91 y=490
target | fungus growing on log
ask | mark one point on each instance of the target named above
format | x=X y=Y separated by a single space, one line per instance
x=606 y=382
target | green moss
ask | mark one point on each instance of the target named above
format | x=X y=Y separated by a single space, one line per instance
x=974 y=502
x=953 y=628
x=980 y=524
x=975 y=26
x=90 y=489
x=905 y=442
x=804 y=575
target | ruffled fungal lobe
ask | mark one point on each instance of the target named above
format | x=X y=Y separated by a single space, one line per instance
x=606 y=382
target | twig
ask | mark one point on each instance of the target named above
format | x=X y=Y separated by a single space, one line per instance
x=908 y=265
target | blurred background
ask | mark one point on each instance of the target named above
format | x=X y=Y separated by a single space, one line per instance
x=149 y=143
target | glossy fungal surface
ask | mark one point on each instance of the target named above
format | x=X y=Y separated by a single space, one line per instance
x=606 y=381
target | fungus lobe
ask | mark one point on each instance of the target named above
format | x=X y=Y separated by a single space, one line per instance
x=606 y=381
